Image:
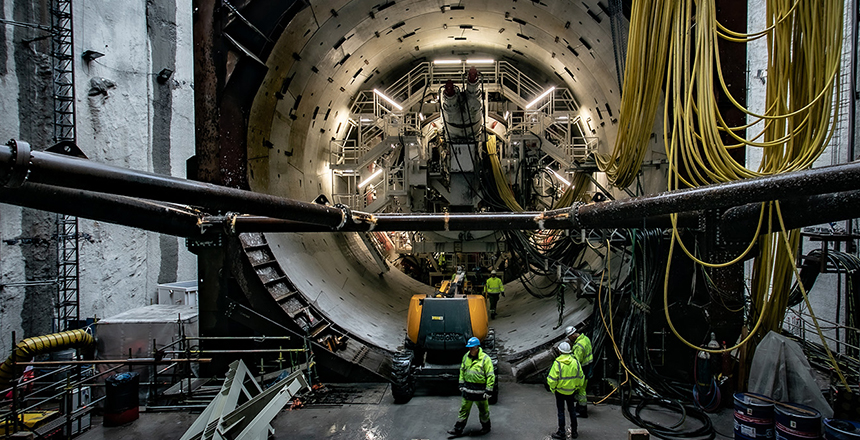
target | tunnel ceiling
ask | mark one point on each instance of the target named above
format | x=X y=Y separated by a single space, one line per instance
x=330 y=51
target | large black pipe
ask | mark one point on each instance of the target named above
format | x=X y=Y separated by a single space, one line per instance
x=127 y=211
x=493 y=221
x=620 y=213
x=739 y=223
x=71 y=172
x=65 y=171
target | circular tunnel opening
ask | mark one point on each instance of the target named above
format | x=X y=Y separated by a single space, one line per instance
x=309 y=106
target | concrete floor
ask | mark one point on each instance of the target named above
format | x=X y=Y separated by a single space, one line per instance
x=524 y=411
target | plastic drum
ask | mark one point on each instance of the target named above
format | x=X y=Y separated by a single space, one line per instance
x=837 y=429
x=753 y=417
x=797 y=422
x=121 y=392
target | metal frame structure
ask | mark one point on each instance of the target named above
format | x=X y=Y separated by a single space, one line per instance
x=226 y=418
x=376 y=124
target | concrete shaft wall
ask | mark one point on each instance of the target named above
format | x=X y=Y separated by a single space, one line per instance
x=125 y=117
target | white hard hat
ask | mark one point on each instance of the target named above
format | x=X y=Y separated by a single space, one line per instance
x=564 y=347
x=569 y=330
x=493 y=271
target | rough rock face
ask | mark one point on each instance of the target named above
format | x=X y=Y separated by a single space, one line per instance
x=135 y=119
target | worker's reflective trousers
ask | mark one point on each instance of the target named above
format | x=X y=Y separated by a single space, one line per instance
x=483 y=409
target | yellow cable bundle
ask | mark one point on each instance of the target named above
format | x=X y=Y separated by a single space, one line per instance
x=805 y=43
x=648 y=42
x=502 y=185
x=575 y=192
x=804 y=46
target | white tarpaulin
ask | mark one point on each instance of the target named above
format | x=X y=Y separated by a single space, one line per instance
x=132 y=334
x=780 y=370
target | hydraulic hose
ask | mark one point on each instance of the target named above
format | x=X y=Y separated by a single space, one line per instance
x=30 y=347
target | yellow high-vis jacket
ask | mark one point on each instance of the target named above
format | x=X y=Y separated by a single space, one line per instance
x=494 y=285
x=582 y=350
x=565 y=376
x=477 y=375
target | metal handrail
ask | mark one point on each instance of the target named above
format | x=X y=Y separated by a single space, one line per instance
x=376 y=120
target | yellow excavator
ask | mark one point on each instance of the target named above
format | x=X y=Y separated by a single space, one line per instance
x=437 y=329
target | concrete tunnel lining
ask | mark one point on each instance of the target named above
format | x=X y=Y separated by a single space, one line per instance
x=338 y=276
x=335 y=272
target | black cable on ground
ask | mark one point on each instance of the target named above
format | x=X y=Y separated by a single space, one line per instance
x=631 y=302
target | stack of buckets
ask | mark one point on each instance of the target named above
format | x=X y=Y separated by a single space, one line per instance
x=753 y=417
x=758 y=417
x=121 y=399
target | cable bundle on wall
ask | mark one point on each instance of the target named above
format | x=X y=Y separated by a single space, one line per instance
x=648 y=45
x=682 y=39
x=804 y=46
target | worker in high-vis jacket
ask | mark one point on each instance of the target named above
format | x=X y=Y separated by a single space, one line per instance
x=494 y=287
x=477 y=379
x=581 y=350
x=565 y=380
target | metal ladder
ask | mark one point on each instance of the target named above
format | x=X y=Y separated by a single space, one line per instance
x=62 y=49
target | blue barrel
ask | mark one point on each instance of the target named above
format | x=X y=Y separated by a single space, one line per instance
x=797 y=422
x=753 y=417
x=838 y=429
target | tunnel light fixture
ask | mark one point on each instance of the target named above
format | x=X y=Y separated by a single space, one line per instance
x=387 y=99
x=372 y=176
x=421 y=116
x=542 y=96
x=558 y=176
x=507 y=113
x=438 y=62
x=480 y=61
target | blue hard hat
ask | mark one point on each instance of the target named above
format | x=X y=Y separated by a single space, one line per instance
x=473 y=342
